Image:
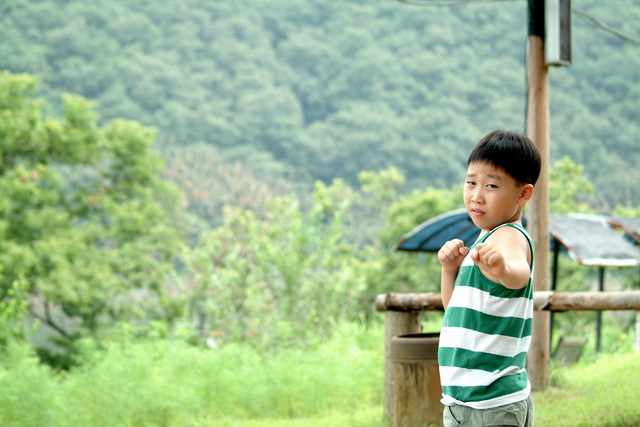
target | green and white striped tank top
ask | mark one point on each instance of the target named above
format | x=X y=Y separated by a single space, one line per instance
x=485 y=336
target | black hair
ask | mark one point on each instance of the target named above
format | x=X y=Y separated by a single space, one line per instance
x=511 y=151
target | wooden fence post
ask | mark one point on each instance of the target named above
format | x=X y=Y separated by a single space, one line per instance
x=395 y=323
x=416 y=391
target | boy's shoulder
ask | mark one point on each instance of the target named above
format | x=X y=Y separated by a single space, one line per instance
x=508 y=231
x=514 y=239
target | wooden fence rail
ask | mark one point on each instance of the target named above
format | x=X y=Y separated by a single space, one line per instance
x=552 y=301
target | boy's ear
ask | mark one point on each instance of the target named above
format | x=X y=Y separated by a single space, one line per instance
x=526 y=194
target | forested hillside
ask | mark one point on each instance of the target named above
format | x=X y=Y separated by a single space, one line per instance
x=316 y=89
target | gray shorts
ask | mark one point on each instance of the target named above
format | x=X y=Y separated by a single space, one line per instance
x=514 y=414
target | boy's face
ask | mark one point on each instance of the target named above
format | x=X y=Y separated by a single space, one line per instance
x=492 y=197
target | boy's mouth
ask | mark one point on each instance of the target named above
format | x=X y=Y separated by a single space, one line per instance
x=476 y=212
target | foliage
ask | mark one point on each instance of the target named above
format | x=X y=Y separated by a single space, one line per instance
x=85 y=219
x=324 y=90
x=280 y=280
x=211 y=181
x=14 y=309
x=420 y=205
x=626 y=211
x=162 y=382
x=411 y=272
x=569 y=189
x=20 y=375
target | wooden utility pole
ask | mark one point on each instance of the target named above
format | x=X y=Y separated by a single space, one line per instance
x=538 y=224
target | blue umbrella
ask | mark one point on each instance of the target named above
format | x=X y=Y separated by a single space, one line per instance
x=435 y=232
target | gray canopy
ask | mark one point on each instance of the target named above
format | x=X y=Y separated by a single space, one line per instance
x=591 y=241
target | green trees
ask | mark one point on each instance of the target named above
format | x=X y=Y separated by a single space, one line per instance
x=85 y=219
x=321 y=91
x=283 y=279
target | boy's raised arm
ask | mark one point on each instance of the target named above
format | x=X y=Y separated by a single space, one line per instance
x=505 y=258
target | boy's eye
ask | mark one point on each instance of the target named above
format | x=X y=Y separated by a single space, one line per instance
x=471 y=183
x=492 y=186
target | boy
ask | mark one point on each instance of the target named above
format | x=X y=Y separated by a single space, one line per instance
x=487 y=291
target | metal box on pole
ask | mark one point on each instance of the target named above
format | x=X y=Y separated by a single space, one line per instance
x=557 y=18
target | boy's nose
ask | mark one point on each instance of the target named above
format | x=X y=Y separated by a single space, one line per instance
x=477 y=196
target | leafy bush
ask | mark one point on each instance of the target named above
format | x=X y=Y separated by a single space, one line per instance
x=14 y=309
x=31 y=393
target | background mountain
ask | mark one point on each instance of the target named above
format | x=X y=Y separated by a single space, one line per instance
x=308 y=90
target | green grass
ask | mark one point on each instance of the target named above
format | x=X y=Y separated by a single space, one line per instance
x=604 y=393
x=339 y=382
x=601 y=393
x=367 y=417
x=169 y=383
